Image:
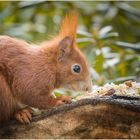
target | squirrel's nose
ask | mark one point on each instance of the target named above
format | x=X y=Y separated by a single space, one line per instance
x=86 y=86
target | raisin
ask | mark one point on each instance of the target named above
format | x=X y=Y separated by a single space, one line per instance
x=111 y=91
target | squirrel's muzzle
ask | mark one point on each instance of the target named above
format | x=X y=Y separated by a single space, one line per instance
x=85 y=86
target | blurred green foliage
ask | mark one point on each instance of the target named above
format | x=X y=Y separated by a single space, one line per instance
x=108 y=31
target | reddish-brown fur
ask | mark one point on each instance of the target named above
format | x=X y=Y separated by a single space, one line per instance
x=29 y=73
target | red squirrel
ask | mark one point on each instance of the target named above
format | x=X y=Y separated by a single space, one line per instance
x=29 y=73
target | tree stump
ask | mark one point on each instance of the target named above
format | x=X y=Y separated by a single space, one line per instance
x=106 y=117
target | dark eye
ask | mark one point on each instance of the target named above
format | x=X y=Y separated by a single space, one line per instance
x=76 y=68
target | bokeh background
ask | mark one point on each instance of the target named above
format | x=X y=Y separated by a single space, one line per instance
x=108 y=32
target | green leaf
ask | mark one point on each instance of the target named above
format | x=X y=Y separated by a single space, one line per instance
x=122 y=79
x=122 y=68
x=99 y=61
x=109 y=35
x=127 y=45
x=84 y=42
x=128 y=9
x=105 y=30
x=81 y=33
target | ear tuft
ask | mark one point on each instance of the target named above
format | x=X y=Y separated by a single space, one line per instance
x=65 y=47
x=69 y=25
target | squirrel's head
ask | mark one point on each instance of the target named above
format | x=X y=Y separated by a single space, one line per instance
x=72 y=67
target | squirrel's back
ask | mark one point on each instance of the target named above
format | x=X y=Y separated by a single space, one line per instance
x=9 y=48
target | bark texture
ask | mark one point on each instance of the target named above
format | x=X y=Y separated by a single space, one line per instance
x=106 y=117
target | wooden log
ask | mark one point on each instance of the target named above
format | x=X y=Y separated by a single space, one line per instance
x=106 y=117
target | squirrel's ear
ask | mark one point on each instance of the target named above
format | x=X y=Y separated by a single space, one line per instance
x=69 y=25
x=64 y=47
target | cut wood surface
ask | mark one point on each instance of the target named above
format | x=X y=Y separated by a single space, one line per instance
x=106 y=117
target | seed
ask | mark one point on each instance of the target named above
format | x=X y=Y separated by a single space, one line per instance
x=111 y=91
x=128 y=83
x=139 y=90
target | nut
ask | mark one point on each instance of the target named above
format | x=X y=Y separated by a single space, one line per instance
x=111 y=91
x=128 y=83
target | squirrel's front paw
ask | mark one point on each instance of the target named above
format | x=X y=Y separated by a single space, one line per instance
x=24 y=115
x=63 y=100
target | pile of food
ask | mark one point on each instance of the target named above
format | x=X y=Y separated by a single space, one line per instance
x=128 y=88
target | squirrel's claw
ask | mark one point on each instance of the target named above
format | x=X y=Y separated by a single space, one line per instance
x=24 y=115
x=66 y=99
x=63 y=100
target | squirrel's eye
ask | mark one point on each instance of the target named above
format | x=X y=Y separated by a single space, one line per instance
x=76 y=68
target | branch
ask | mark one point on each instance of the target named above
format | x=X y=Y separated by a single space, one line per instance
x=106 y=117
